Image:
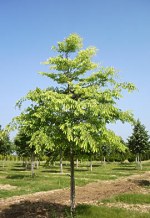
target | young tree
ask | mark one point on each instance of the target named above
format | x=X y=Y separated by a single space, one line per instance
x=79 y=108
x=22 y=141
x=139 y=142
x=5 y=144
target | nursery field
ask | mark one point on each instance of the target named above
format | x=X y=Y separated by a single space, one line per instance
x=110 y=190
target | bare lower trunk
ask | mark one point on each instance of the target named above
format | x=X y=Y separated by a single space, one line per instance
x=4 y=160
x=138 y=162
x=32 y=165
x=72 y=183
x=37 y=164
x=77 y=163
x=91 y=166
x=61 y=165
x=104 y=160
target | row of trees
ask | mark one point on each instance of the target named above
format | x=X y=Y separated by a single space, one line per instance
x=71 y=118
x=137 y=149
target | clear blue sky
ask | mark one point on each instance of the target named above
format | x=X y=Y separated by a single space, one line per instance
x=120 y=29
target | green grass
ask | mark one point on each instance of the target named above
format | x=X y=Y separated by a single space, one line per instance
x=43 y=180
x=49 y=178
x=86 y=211
x=130 y=198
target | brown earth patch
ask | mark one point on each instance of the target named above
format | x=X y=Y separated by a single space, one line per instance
x=7 y=187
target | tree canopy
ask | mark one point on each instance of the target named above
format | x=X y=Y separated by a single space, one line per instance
x=5 y=143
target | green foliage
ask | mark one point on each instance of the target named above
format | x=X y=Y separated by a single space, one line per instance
x=6 y=146
x=22 y=144
x=77 y=112
x=139 y=141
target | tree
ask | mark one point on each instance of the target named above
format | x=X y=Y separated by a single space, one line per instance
x=23 y=149
x=77 y=110
x=5 y=144
x=139 y=141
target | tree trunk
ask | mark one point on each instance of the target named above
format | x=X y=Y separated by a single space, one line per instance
x=104 y=160
x=4 y=160
x=61 y=165
x=26 y=164
x=72 y=183
x=77 y=163
x=37 y=164
x=91 y=165
x=140 y=162
x=32 y=165
x=136 y=159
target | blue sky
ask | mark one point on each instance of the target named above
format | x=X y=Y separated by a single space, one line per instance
x=120 y=29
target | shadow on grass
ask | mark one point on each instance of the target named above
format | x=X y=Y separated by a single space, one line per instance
x=18 y=165
x=143 y=182
x=81 y=170
x=50 y=171
x=19 y=169
x=124 y=168
x=18 y=176
x=27 y=209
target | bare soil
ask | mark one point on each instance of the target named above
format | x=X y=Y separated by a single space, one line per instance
x=7 y=187
x=52 y=203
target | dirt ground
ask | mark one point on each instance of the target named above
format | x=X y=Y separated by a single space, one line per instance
x=41 y=204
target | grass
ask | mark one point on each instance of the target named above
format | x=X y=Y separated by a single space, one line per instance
x=86 y=211
x=130 y=198
x=25 y=184
x=49 y=178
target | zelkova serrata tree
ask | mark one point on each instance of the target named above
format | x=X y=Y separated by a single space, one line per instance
x=76 y=111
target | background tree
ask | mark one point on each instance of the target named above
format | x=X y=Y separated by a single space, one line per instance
x=23 y=149
x=79 y=108
x=139 y=142
x=6 y=146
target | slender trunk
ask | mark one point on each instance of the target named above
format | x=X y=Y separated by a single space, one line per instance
x=140 y=162
x=4 y=160
x=91 y=166
x=37 y=164
x=77 y=163
x=136 y=160
x=72 y=183
x=104 y=160
x=32 y=165
x=26 y=164
x=23 y=162
x=61 y=165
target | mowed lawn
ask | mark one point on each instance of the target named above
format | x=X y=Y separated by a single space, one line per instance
x=15 y=180
x=49 y=177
